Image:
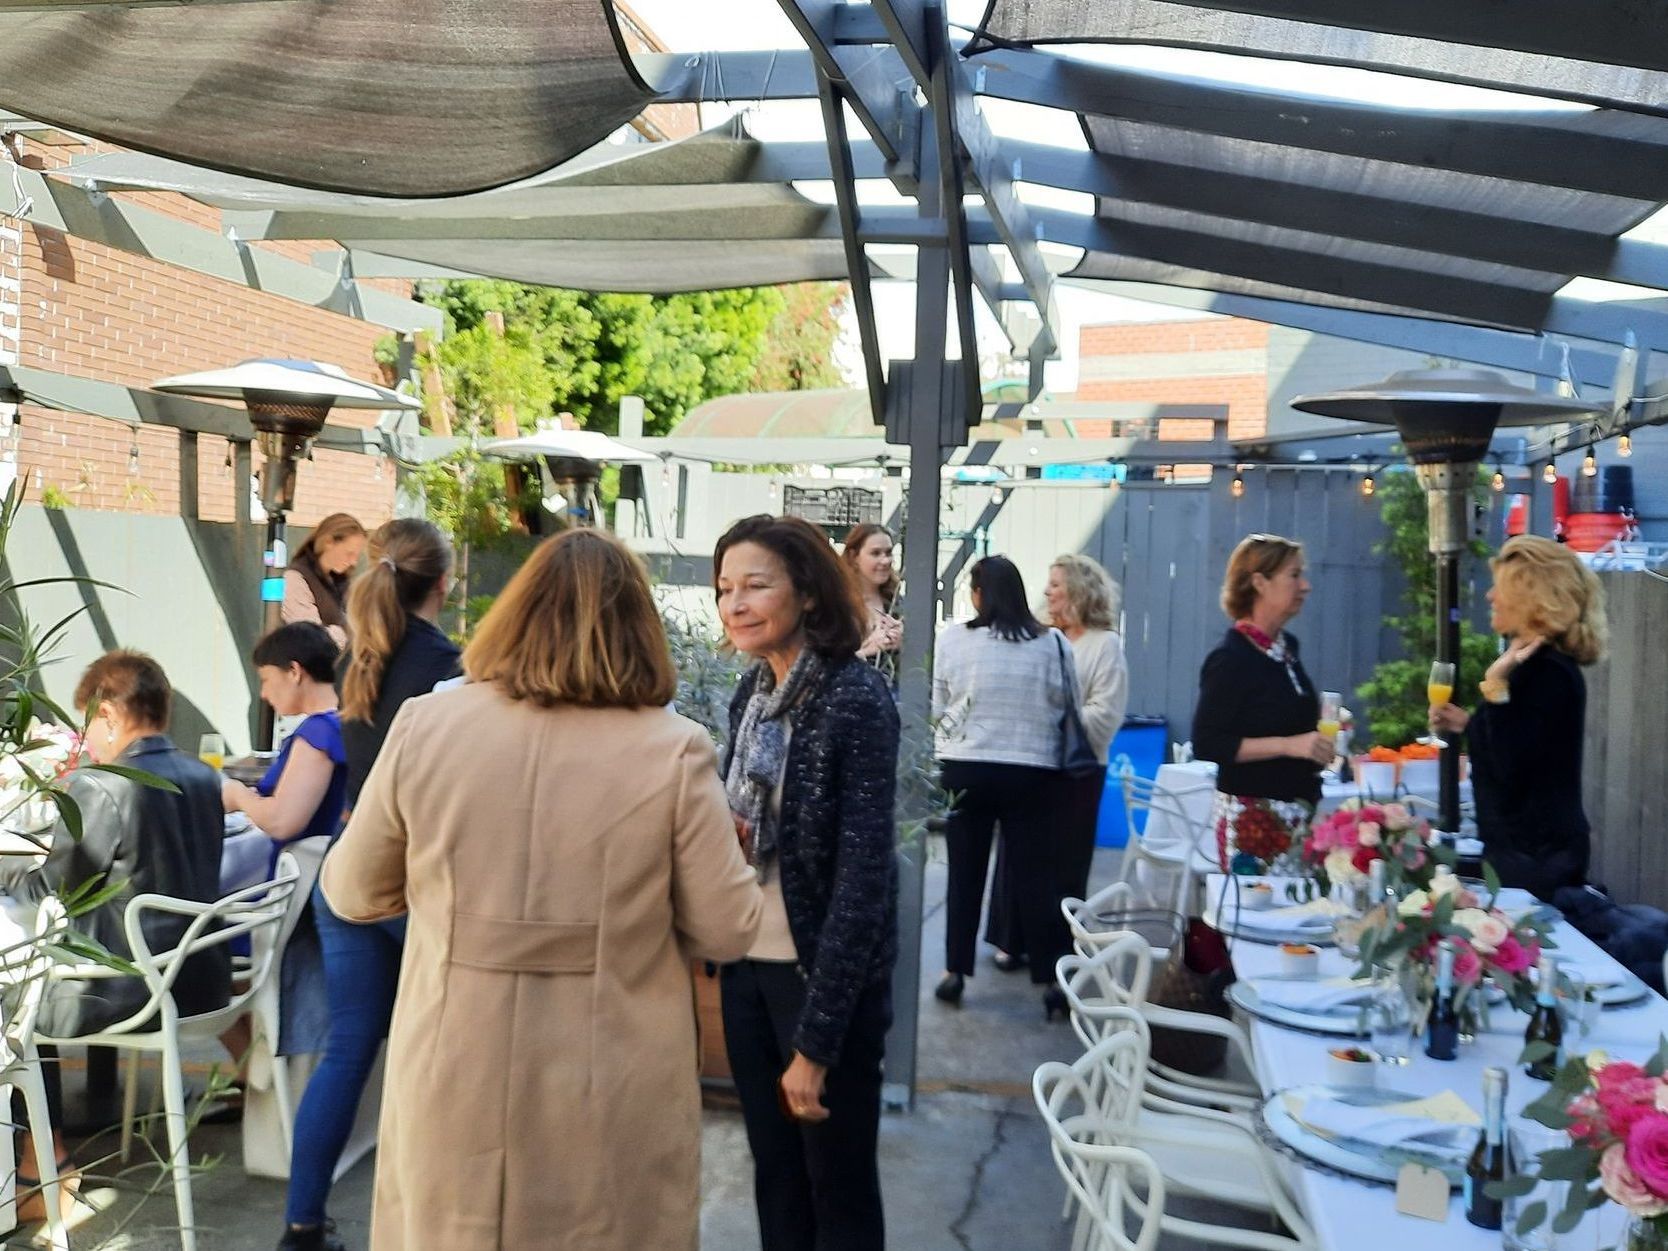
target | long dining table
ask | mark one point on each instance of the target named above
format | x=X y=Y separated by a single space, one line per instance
x=1359 y=1215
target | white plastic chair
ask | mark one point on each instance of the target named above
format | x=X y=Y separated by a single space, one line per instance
x=1196 y=1152
x=1105 y=988
x=257 y=911
x=26 y=965
x=1163 y=873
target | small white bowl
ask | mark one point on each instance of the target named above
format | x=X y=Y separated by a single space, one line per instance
x=1257 y=897
x=1299 y=960
x=1351 y=1073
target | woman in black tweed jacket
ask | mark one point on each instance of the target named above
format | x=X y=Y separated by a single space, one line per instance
x=810 y=772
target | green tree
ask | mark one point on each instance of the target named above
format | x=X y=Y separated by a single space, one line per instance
x=799 y=349
x=1397 y=707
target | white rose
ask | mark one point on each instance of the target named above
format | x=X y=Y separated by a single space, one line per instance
x=1340 y=868
x=1397 y=817
x=1367 y=835
x=1413 y=905
x=1444 y=884
x=1487 y=931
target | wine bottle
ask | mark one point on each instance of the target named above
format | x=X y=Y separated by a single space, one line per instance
x=1442 y=1027
x=1545 y=1025
x=1488 y=1158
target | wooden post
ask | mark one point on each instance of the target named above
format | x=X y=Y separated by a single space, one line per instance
x=188 y=476
x=437 y=410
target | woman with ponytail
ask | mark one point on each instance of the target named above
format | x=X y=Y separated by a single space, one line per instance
x=397 y=652
x=1526 y=734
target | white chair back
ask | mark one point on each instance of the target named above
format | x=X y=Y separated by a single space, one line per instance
x=1162 y=871
x=25 y=967
x=1108 y=1180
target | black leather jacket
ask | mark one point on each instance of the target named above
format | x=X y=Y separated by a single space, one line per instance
x=154 y=841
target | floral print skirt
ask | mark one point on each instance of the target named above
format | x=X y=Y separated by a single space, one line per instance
x=1255 y=835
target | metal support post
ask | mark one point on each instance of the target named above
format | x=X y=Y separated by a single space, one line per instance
x=929 y=397
x=1448 y=649
x=275 y=558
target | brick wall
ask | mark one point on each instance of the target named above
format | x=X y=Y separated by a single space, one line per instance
x=1217 y=361
x=95 y=312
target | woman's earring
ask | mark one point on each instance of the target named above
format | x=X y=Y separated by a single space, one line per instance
x=110 y=736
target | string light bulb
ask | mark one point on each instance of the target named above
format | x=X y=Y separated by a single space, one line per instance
x=996 y=497
x=1589 y=466
x=1368 y=486
x=133 y=460
x=1238 y=487
x=226 y=465
x=1624 y=446
x=1498 y=482
x=1549 y=475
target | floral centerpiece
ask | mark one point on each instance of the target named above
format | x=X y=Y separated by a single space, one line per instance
x=1616 y=1115
x=1340 y=848
x=31 y=771
x=1491 y=948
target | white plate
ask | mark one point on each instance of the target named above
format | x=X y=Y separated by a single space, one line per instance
x=1346 y=1023
x=1364 y=1160
x=1629 y=990
x=1227 y=923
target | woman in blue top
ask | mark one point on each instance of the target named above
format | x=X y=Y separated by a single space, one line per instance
x=304 y=791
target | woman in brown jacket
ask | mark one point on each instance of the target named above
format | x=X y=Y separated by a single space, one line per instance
x=561 y=845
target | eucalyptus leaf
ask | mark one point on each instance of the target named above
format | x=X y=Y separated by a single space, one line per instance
x=1531 y=1216
x=1567 y=1164
x=1513 y=1187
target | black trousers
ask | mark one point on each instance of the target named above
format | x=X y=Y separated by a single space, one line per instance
x=1027 y=803
x=817 y=1186
x=1075 y=845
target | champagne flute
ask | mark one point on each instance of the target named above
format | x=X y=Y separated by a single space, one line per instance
x=1330 y=705
x=1439 y=690
x=211 y=750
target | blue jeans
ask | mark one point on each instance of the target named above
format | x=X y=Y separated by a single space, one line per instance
x=361 y=973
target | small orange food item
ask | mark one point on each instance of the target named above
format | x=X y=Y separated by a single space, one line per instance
x=1297 y=949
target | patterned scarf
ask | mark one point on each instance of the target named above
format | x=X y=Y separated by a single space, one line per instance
x=760 y=752
x=1274 y=649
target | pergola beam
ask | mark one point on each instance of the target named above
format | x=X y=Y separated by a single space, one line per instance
x=95 y=216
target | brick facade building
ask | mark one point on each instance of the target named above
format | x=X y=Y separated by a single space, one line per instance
x=1222 y=360
x=73 y=306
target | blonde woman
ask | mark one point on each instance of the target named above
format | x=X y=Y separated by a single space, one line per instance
x=560 y=846
x=1083 y=602
x=1525 y=736
x=398 y=653
x=316 y=582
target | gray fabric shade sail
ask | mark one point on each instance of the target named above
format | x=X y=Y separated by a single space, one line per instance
x=381 y=97
x=1605 y=52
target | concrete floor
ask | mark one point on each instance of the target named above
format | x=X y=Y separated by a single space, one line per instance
x=968 y=1170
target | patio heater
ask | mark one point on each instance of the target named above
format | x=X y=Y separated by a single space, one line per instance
x=1446 y=419
x=288 y=402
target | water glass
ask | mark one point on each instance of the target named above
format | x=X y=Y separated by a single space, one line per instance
x=211 y=750
x=1525 y=1140
x=1390 y=1018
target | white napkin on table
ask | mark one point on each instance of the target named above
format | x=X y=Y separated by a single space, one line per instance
x=1314 y=917
x=1442 y=1124
x=1325 y=995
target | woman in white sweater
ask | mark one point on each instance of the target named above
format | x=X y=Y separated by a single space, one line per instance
x=1083 y=602
x=1000 y=684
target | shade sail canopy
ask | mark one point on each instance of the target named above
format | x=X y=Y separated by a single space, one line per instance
x=351 y=95
x=1605 y=52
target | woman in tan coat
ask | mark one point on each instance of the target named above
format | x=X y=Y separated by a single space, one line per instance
x=562 y=845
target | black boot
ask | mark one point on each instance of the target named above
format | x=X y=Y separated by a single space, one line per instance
x=949 y=989
x=312 y=1238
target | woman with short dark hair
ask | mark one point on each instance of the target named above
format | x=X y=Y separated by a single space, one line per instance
x=1000 y=688
x=303 y=793
x=810 y=775
x=558 y=843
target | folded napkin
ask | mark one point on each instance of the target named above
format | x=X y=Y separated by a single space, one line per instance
x=1441 y=1124
x=1325 y=995
x=1315 y=917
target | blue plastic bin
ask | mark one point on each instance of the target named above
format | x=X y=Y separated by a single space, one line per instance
x=1138 y=748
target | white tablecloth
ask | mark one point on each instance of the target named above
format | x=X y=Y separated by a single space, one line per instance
x=1194 y=786
x=1363 y=1217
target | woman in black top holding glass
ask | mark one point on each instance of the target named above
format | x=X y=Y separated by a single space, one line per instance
x=1525 y=737
x=1258 y=709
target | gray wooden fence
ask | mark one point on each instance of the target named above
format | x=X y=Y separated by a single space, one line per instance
x=1625 y=760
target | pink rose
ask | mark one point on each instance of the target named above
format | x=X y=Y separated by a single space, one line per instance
x=1468 y=966
x=1368 y=836
x=1511 y=956
x=1373 y=815
x=1396 y=817
x=1647 y=1156
x=1624 y=1186
x=1625 y=1095
x=1586 y=1120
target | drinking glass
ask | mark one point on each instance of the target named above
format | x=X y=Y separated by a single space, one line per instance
x=1330 y=703
x=1525 y=1140
x=1390 y=1017
x=1439 y=690
x=211 y=750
